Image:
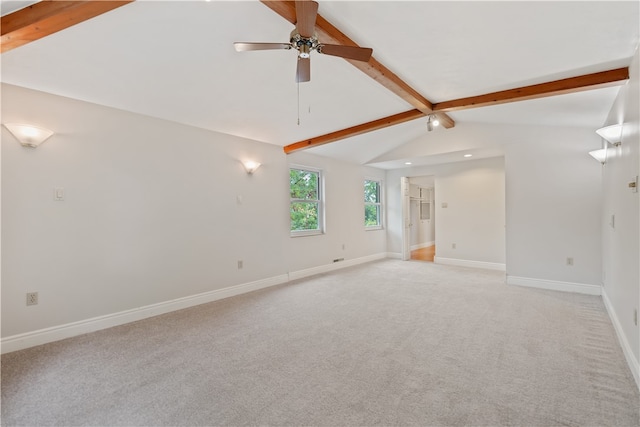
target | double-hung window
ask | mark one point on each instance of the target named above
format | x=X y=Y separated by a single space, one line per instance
x=372 y=204
x=305 y=205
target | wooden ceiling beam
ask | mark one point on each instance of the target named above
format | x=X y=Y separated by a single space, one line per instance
x=380 y=73
x=47 y=17
x=557 y=87
x=328 y=33
x=396 y=119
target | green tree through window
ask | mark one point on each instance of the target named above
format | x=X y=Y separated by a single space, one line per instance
x=372 y=203
x=305 y=200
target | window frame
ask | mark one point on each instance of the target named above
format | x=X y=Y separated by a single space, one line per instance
x=320 y=201
x=378 y=204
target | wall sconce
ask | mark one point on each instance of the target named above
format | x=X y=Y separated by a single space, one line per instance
x=612 y=133
x=250 y=166
x=432 y=121
x=600 y=155
x=27 y=135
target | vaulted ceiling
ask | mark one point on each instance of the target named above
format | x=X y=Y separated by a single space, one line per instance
x=175 y=60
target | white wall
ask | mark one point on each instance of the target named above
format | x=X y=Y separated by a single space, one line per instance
x=474 y=219
x=621 y=243
x=151 y=214
x=553 y=207
x=344 y=209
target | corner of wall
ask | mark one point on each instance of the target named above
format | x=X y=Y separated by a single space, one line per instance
x=633 y=363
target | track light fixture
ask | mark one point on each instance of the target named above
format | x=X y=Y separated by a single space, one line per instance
x=432 y=121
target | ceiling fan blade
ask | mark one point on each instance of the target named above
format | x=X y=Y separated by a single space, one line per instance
x=303 y=70
x=306 y=12
x=241 y=47
x=348 y=52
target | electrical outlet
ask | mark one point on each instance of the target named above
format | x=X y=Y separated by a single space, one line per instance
x=240 y=264
x=569 y=261
x=32 y=298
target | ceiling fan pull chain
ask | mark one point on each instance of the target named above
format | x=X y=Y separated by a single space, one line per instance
x=298 y=84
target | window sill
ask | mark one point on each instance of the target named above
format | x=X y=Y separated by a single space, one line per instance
x=373 y=228
x=306 y=233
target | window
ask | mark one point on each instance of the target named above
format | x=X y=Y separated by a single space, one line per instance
x=372 y=204
x=305 y=201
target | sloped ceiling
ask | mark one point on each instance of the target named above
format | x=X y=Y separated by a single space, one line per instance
x=175 y=60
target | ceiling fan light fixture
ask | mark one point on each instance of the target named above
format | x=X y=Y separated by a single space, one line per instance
x=304 y=50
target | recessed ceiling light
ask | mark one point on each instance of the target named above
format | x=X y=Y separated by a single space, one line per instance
x=407 y=163
x=468 y=155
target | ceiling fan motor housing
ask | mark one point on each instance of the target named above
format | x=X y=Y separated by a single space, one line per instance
x=303 y=45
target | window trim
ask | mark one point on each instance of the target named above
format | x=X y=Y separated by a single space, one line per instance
x=320 y=201
x=379 y=204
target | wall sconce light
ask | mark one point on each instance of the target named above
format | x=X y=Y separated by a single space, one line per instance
x=612 y=133
x=27 y=135
x=250 y=166
x=600 y=155
x=432 y=121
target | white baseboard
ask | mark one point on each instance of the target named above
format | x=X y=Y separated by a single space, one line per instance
x=468 y=263
x=294 y=275
x=56 y=333
x=422 y=245
x=624 y=343
x=554 y=285
x=394 y=255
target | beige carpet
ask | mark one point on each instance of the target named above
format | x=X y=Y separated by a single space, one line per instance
x=387 y=343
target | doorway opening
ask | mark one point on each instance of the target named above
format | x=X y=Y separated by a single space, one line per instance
x=419 y=218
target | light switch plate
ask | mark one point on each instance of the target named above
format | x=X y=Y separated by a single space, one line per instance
x=58 y=194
